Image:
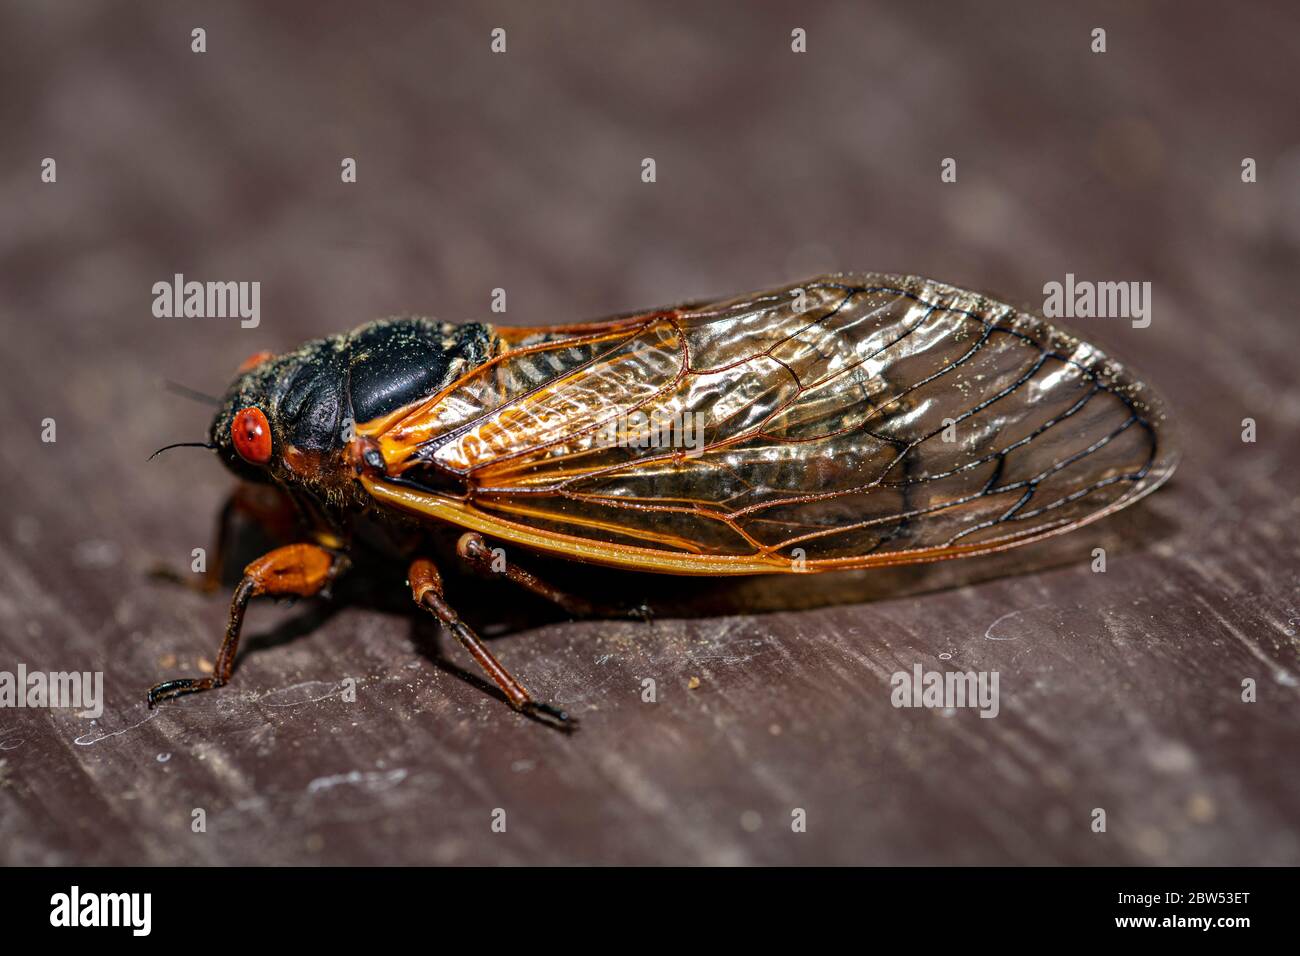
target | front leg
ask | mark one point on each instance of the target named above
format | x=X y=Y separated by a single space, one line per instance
x=303 y=570
x=265 y=506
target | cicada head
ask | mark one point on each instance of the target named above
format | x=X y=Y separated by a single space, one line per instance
x=285 y=418
x=243 y=430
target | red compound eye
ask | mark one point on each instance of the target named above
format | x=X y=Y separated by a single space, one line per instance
x=251 y=433
x=253 y=361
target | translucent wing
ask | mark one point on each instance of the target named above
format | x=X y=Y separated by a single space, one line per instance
x=846 y=422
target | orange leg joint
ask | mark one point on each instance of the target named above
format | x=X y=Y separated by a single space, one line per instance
x=303 y=570
x=426 y=589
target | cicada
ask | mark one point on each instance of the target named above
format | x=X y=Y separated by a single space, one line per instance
x=850 y=421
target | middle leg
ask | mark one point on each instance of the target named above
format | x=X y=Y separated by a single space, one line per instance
x=426 y=589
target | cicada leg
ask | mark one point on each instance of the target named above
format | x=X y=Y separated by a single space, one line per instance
x=303 y=570
x=474 y=550
x=265 y=506
x=426 y=589
x=210 y=579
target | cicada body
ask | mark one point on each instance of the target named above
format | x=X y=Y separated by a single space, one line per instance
x=849 y=421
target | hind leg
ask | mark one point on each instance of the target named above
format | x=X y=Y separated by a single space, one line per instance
x=474 y=551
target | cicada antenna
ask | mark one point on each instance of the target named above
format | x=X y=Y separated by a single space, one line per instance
x=182 y=444
x=177 y=388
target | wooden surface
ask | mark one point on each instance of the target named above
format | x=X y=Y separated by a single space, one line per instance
x=1119 y=691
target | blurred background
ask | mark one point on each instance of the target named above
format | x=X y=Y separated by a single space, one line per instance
x=522 y=170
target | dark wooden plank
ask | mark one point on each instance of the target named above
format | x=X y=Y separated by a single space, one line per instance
x=1119 y=690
